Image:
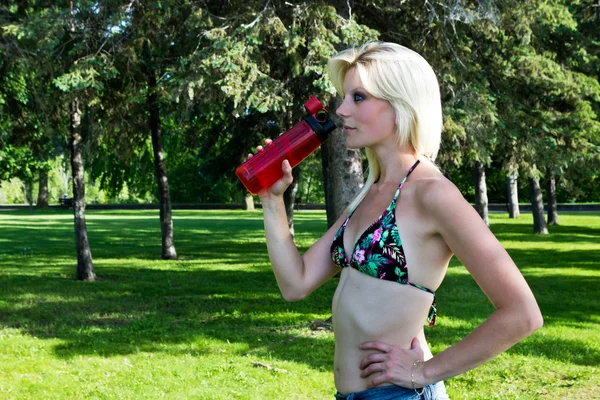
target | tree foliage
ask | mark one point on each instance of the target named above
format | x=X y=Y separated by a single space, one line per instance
x=519 y=83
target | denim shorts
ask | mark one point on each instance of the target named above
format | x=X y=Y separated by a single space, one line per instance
x=436 y=391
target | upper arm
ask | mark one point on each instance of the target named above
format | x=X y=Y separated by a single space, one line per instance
x=318 y=265
x=470 y=239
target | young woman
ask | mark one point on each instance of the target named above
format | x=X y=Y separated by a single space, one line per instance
x=395 y=241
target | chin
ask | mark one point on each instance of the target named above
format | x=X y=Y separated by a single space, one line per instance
x=350 y=145
x=353 y=146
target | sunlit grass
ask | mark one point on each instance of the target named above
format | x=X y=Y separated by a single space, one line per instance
x=191 y=328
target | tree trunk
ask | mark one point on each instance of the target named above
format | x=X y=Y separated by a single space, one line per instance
x=85 y=266
x=24 y=187
x=42 y=200
x=64 y=177
x=248 y=202
x=342 y=170
x=598 y=17
x=537 y=207
x=325 y=150
x=481 y=199
x=164 y=197
x=289 y=198
x=513 y=195
x=298 y=197
x=30 y=195
x=551 y=198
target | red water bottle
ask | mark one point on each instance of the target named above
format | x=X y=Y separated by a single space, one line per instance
x=264 y=169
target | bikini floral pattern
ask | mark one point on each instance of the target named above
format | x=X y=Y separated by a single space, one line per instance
x=378 y=251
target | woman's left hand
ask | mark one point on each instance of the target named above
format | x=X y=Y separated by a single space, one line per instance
x=393 y=364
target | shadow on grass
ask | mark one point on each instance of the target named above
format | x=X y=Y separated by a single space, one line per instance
x=522 y=230
x=157 y=311
x=135 y=235
x=179 y=307
x=461 y=301
x=136 y=309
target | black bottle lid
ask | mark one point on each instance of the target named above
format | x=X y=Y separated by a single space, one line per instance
x=321 y=124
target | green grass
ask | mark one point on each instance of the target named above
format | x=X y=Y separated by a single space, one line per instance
x=192 y=328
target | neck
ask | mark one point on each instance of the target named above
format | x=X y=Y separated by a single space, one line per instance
x=394 y=163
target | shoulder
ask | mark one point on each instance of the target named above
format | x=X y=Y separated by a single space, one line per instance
x=438 y=198
x=439 y=193
x=432 y=189
x=442 y=211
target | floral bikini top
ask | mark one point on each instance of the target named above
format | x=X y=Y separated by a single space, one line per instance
x=378 y=251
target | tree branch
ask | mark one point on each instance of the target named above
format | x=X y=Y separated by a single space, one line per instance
x=251 y=24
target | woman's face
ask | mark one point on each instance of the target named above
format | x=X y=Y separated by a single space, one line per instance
x=368 y=121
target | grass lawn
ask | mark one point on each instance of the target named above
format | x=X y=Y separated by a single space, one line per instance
x=193 y=328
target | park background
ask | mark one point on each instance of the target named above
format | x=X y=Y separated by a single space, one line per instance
x=153 y=105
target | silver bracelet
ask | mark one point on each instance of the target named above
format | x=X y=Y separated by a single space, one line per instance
x=412 y=376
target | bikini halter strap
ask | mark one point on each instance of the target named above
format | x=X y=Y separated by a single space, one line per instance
x=404 y=180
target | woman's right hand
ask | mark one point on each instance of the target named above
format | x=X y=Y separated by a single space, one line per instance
x=278 y=188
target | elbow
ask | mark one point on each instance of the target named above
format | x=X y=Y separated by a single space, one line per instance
x=525 y=318
x=535 y=321
x=291 y=296
x=532 y=320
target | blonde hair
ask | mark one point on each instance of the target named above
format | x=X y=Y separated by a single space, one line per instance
x=401 y=76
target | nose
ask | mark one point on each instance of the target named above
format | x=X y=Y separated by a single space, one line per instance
x=342 y=111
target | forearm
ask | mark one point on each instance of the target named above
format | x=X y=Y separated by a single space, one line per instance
x=496 y=334
x=285 y=258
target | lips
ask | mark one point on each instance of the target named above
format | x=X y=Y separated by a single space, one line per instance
x=348 y=128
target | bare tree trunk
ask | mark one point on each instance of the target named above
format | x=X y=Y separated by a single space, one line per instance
x=42 y=200
x=551 y=198
x=164 y=197
x=342 y=170
x=513 y=195
x=64 y=177
x=248 y=202
x=30 y=195
x=598 y=17
x=85 y=266
x=24 y=187
x=537 y=207
x=289 y=198
x=26 y=184
x=481 y=199
x=329 y=211
x=298 y=198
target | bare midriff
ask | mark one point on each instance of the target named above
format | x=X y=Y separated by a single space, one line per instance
x=369 y=309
